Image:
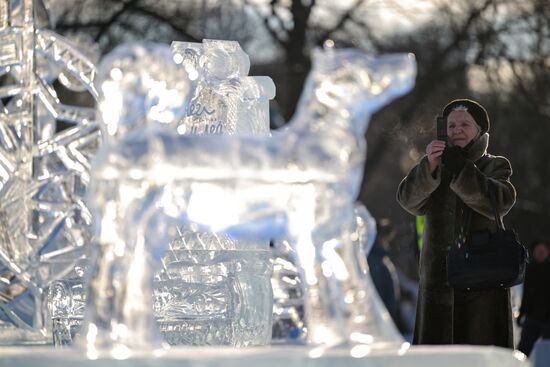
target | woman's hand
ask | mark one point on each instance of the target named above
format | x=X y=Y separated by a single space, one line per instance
x=454 y=159
x=434 y=151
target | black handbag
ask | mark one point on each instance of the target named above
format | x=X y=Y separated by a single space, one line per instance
x=487 y=260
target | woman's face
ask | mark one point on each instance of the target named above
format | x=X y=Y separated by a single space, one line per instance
x=461 y=128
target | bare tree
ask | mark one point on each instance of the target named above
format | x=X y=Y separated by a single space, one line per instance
x=496 y=51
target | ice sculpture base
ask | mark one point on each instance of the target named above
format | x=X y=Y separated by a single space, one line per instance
x=11 y=335
x=288 y=356
x=200 y=297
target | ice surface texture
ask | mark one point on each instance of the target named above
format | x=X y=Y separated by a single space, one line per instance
x=229 y=279
x=226 y=101
x=210 y=289
x=300 y=184
x=44 y=223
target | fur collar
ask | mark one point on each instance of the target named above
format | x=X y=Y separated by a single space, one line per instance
x=479 y=148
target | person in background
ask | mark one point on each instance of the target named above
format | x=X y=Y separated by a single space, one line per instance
x=383 y=271
x=534 y=312
x=447 y=185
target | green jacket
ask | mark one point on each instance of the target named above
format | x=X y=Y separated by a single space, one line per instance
x=444 y=315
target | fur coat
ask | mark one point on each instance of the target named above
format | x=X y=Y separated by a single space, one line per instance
x=445 y=315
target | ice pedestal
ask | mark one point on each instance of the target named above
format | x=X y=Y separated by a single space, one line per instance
x=200 y=297
x=448 y=356
x=214 y=296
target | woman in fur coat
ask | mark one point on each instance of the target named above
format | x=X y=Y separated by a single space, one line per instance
x=449 y=181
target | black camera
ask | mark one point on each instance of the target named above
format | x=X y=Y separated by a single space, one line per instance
x=442 y=128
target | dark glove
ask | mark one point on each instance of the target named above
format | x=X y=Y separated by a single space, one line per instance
x=520 y=320
x=454 y=159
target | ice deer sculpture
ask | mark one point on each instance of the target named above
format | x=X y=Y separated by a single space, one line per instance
x=299 y=184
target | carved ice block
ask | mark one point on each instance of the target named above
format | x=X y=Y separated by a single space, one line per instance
x=228 y=277
x=44 y=170
x=226 y=100
x=211 y=289
x=299 y=184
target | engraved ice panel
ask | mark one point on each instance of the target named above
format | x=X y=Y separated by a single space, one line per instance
x=44 y=170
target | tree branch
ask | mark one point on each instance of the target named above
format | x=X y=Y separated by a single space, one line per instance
x=167 y=20
x=114 y=18
x=343 y=19
x=274 y=35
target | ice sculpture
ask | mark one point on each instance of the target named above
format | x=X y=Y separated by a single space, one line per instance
x=288 y=323
x=288 y=297
x=300 y=183
x=118 y=299
x=44 y=172
x=213 y=289
x=226 y=101
x=219 y=294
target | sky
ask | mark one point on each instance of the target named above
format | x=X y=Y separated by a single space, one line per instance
x=389 y=14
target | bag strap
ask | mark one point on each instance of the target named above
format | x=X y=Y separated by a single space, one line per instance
x=466 y=221
x=464 y=229
x=492 y=198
